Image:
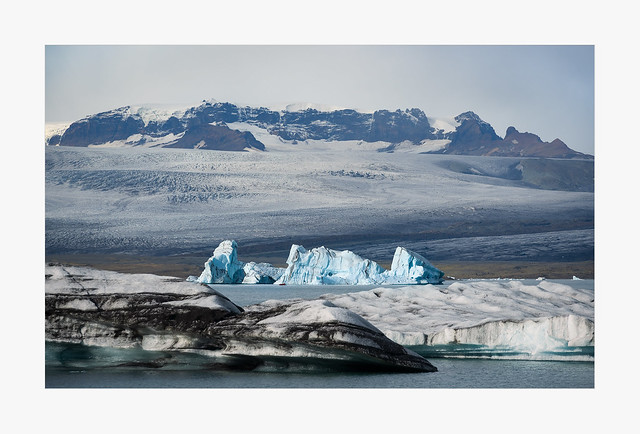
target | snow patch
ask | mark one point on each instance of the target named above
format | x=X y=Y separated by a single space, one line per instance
x=141 y=140
x=55 y=128
x=158 y=112
x=446 y=124
x=433 y=145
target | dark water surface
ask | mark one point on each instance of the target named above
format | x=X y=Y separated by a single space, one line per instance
x=452 y=373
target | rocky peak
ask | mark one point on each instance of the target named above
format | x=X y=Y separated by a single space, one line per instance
x=469 y=116
x=204 y=125
x=518 y=143
x=472 y=137
x=510 y=131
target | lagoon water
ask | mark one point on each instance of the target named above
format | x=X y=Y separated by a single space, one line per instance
x=452 y=373
x=68 y=366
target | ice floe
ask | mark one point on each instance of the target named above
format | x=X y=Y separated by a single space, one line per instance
x=91 y=307
x=545 y=320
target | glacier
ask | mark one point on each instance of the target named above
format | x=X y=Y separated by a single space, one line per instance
x=318 y=266
x=159 y=200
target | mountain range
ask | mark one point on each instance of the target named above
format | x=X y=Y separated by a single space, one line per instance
x=207 y=126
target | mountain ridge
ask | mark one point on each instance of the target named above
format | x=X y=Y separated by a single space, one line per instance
x=186 y=128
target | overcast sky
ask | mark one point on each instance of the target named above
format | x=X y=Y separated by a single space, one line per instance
x=546 y=90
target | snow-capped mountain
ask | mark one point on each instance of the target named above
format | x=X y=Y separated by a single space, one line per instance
x=206 y=126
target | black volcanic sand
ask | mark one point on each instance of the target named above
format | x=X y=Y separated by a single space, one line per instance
x=182 y=266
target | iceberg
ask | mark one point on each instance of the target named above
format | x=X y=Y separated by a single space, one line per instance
x=323 y=266
x=156 y=313
x=408 y=267
x=506 y=319
x=261 y=273
x=224 y=267
x=318 y=266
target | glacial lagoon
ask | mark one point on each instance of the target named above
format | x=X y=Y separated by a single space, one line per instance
x=74 y=366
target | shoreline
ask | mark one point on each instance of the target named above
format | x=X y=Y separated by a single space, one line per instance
x=182 y=266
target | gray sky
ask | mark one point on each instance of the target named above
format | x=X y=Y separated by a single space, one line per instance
x=546 y=90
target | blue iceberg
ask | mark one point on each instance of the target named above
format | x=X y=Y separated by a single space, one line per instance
x=318 y=266
x=323 y=266
x=411 y=268
x=224 y=267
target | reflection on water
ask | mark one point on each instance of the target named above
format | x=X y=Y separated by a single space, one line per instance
x=75 y=366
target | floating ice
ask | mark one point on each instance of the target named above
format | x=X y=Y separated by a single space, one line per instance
x=409 y=267
x=319 y=266
x=155 y=313
x=323 y=266
x=545 y=320
x=261 y=272
x=224 y=267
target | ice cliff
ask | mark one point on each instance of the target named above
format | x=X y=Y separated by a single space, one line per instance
x=318 y=266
